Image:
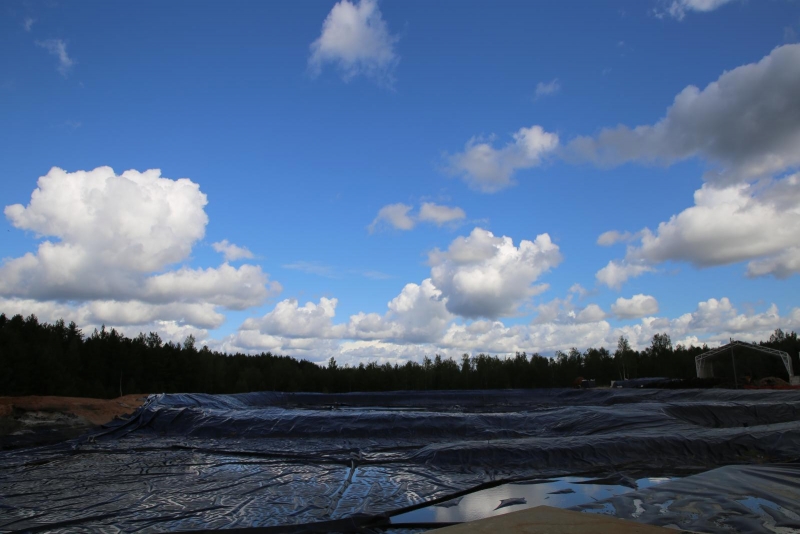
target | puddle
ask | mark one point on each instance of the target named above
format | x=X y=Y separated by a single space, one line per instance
x=562 y=493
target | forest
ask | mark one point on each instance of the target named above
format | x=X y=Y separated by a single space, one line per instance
x=38 y=358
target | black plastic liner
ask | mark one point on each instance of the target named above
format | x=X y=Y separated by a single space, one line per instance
x=300 y=461
x=756 y=498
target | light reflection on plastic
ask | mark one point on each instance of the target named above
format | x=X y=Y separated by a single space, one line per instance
x=485 y=503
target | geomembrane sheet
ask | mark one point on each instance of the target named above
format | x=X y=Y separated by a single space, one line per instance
x=351 y=462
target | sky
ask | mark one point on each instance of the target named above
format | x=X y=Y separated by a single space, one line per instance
x=383 y=180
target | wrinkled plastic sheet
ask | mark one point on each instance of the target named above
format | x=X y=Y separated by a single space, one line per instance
x=736 y=498
x=348 y=462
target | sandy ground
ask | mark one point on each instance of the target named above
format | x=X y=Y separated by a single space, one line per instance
x=33 y=420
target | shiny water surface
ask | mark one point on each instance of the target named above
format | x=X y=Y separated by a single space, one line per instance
x=561 y=493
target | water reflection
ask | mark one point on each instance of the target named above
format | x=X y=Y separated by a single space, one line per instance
x=561 y=493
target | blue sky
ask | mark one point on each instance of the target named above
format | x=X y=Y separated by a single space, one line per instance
x=386 y=180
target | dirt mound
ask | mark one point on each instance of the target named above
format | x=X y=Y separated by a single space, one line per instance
x=772 y=381
x=33 y=420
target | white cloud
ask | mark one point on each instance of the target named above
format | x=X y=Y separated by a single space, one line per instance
x=714 y=322
x=58 y=48
x=398 y=216
x=227 y=286
x=438 y=214
x=356 y=39
x=759 y=223
x=590 y=314
x=493 y=337
x=577 y=289
x=28 y=23
x=173 y=322
x=418 y=324
x=417 y=315
x=486 y=276
x=563 y=311
x=253 y=341
x=230 y=251
x=419 y=312
x=635 y=307
x=781 y=265
x=746 y=123
x=488 y=169
x=137 y=221
x=612 y=237
x=477 y=276
x=115 y=238
x=382 y=352
x=678 y=8
x=617 y=273
x=288 y=319
x=549 y=88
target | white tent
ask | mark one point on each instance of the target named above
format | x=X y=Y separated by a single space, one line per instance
x=703 y=362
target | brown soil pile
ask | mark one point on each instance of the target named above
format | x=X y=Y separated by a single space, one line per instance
x=33 y=420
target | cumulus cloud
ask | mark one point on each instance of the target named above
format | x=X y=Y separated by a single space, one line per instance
x=419 y=313
x=549 y=88
x=113 y=239
x=230 y=251
x=417 y=324
x=493 y=337
x=58 y=48
x=713 y=322
x=356 y=39
x=678 y=8
x=564 y=311
x=227 y=286
x=288 y=319
x=746 y=124
x=253 y=341
x=488 y=169
x=482 y=275
x=635 y=307
x=416 y=315
x=414 y=318
x=757 y=222
x=479 y=275
x=137 y=220
x=398 y=216
x=28 y=23
x=395 y=215
x=617 y=273
x=590 y=314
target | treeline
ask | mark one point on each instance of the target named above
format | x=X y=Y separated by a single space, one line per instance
x=58 y=359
